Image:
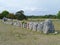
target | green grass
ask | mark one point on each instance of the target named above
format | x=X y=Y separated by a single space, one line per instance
x=12 y=35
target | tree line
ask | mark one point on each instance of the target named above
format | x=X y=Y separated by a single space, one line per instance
x=18 y=15
x=45 y=16
x=21 y=16
x=57 y=16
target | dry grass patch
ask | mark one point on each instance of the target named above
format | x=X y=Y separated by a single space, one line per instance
x=13 y=35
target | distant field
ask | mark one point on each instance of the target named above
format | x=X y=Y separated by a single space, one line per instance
x=12 y=35
x=38 y=19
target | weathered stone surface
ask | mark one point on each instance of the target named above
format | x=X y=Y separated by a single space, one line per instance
x=35 y=25
x=27 y=25
x=21 y=25
x=48 y=26
x=40 y=26
x=30 y=25
x=24 y=25
x=16 y=23
x=7 y=22
x=4 y=19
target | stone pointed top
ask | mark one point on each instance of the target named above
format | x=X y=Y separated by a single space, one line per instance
x=48 y=26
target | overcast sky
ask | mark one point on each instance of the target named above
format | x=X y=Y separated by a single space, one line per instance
x=31 y=7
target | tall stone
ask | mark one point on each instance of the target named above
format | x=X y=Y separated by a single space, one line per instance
x=40 y=26
x=24 y=25
x=48 y=26
x=27 y=25
x=30 y=25
x=20 y=24
x=16 y=23
x=35 y=25
x=4 y=19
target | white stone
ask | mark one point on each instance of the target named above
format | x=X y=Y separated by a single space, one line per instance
x=27 y=25
x=24 y=25
x=55 y=33
x=40 y=26
x=16 y=23
x=30 y=25
x=35 y=25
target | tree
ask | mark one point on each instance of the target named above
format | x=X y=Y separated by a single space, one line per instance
x=58 y=15
x=5 y=13
x=1 y=16
x=11 y=16
x=20 y=15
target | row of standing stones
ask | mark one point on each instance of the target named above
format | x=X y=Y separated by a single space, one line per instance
x=46 y=26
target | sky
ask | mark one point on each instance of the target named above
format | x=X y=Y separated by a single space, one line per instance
x=31 y=7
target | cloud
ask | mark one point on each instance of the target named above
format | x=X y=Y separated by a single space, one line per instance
x=30 y=5
x=34 y=9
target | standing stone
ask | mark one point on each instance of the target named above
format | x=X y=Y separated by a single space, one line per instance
x=4 y=19
x=30 y=25
x=24 y=25
x=35 y=25
x=14 y=23
x=48 y=27
x=40 y=26
x=17 y=23
x=20 y=24
x=27 y=25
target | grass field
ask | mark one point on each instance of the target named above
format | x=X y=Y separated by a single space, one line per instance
x=12 y=35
